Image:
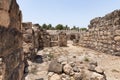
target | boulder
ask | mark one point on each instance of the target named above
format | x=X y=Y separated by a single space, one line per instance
x=91 y=67
x=50 y=74
x=96 y=76
x=55 y=77
x=38 y=59
x=117 y=32
x=54 y=66
x=99 y=70
x=77 y=76
x=117 y=38
x=67 y=69
x=76 y=69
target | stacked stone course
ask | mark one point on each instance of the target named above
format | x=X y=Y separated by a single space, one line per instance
x=58 y=38
x=103 y=34
x=41 y=37
x=36 y=38
x=62 y=39
x=28 y=39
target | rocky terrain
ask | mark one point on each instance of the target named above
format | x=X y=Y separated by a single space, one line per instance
x=28 y=52
x=74 y=63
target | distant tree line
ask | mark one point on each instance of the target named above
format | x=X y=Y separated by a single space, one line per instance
x=60 y=27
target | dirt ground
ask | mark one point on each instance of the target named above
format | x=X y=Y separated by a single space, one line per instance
x=108 y=63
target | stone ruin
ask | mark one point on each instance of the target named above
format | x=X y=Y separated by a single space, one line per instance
x=19 y=40
x=28 y=39
x=103 y=34
x=11 y=54
x=62 y=39
x=68 y=35
x=54 y=40
x=71 y=34
x=46 y=39
x=38 y=41
x=35 y=38
x=58 y=38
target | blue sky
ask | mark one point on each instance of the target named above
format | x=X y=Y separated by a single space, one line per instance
x=66 y=12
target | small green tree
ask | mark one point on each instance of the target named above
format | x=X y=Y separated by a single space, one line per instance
x=83 y=29
x=73 y=28
x=49 y=26
x=59 y=27
x=44 y=26
x=66 y=27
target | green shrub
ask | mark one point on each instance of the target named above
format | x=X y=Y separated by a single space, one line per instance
x=86 y=59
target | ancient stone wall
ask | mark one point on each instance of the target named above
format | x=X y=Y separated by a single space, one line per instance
x=54 y=40
x=103 y=34
x=62 y=39
x=46 y=39
x=71 y=34
x=58 y=38
x=37 y=37
x=42 y=37
x=11 y=54
x=28 y=39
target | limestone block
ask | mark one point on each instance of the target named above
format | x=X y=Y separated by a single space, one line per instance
x=117 y=38
x=5 y=4
x=4 y=18
x=117 y=32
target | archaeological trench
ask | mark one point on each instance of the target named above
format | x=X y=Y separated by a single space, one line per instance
x=20 y=42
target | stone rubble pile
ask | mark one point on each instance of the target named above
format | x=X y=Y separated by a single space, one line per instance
x=79 y=70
